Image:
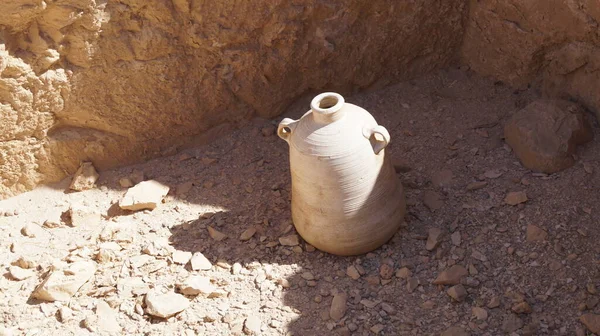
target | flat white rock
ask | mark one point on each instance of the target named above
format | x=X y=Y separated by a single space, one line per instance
x=165 y=305
x=62 y=284
x=195 y=285
x=145 y=195
x=200 y=262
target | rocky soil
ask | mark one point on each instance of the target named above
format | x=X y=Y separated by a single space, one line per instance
x=488 y=247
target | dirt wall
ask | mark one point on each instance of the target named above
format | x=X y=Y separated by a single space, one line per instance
x=553 y=45
x=116 y=82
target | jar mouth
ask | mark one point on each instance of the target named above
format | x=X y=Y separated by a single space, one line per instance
x=327 y=103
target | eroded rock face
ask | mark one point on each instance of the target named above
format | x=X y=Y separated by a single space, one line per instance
x=551 y=44
x=114 y=82
x=544 y=135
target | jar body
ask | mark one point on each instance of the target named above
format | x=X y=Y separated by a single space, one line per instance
x=346 y=197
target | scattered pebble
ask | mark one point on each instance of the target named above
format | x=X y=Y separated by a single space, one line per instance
x=248 y=234
x=145 y=195
x=291 y=240
x=451 y=276
x=200 y=262
x=338 y=306
x=165 y=305
x=515 y=198
x=85 y=177
x=434 y=238
x=457 y=292
x=535 y=233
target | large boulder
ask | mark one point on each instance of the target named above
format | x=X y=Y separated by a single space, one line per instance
x=544 y=134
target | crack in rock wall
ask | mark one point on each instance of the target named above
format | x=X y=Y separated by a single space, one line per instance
x=119 y=81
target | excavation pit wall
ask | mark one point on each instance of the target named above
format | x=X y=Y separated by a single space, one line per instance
x=118 y=82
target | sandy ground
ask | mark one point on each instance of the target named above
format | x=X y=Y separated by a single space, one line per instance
x=446 y=128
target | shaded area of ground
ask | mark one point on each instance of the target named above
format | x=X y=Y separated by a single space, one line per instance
x=446 y=128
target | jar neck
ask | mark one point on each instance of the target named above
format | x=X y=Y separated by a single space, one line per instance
x=327 y=107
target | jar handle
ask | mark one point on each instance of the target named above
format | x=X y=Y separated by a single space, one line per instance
x=285 y=128
x=378 y=145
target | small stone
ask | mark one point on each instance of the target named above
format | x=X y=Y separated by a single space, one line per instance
x=591 y=322
x=200 y=262
x=252 y=325
x=403 y=273
x=284 y=283
x=145 y=195
x=106 y=319
x=126 y=182
x=373 y=280
x=61 y=285
x=476 y=186
x=515 y=198
x=428 y=304
x=521 y=308
x=386 y=271
x=64 y=314
x=165 y=305
x=554 y=265
x=25 y=262
x=412 y=284
x=181 y=257
x=591 y=302
x=195 y=285
x=338 y=306
x=249 y=233
x=352 y=272
x=591 y=288
x=432 y=200
x=455 y=331
x=236 y=268
x=30 y=230
x=369 y=304
x=54 y=220
x=512 y=323
x=376 y=329
x=290 y=240
x=216 y=235
x=456 y=238
x=83 y=216
x=85 y=177
x=535 y=233
x=307 y=276
x=19 y=273
x=480 y=313
x=492 y=174
x=478 y=256
x=388 y=308
x=451 y=276
x=457 y=292
x=434 y=238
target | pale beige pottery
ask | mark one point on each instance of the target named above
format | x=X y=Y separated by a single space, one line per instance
x=346 y=197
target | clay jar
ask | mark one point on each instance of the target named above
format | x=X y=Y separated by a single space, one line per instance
x=346 y=197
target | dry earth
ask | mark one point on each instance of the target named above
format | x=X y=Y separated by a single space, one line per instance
x=531 y=268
